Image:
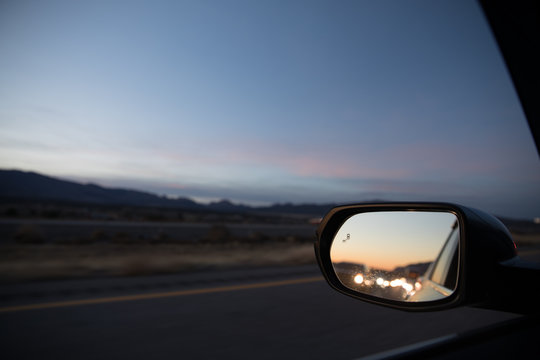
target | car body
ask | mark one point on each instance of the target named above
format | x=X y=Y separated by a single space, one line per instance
x=439 y=280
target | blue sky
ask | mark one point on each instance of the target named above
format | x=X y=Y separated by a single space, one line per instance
x=267 y=101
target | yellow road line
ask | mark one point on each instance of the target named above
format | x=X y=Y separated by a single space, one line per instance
x=159 y=295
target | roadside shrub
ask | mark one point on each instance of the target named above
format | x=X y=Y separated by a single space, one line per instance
x=99 y=235
x=160 y=237
x=11 y=212
x=218 y=233
x=29 y=234
x=257 y=237
x=122 y=238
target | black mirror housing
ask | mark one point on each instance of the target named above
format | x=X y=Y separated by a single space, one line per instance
x=486 y=255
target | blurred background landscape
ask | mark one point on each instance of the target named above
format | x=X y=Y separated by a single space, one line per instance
x=57 y=229
x=51 y=229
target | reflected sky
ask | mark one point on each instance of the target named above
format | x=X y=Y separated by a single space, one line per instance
x=266 y=101
x=386 y=240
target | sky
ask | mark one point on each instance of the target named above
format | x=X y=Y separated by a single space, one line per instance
x=261 y=102
x=387 y=240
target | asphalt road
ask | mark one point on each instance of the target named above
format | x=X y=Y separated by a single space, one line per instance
x=285 y=313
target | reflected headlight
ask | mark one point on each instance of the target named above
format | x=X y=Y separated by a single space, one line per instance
x=408 y=287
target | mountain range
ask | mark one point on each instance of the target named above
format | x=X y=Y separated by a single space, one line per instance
x=31 y=186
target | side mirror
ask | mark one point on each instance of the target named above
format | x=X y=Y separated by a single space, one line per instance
x=408 y=256
x=422 y=256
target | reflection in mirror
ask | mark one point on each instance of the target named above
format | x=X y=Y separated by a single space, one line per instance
x=398 y=255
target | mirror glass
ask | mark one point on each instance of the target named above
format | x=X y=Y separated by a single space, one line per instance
x=399 y=255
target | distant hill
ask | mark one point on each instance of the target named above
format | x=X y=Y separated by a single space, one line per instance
x=16 y=184
x=31 y=186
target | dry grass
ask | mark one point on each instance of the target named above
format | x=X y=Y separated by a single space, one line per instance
x=52 y=261
x=31 y=259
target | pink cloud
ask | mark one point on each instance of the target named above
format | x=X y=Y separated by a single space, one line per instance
x=305 y=162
